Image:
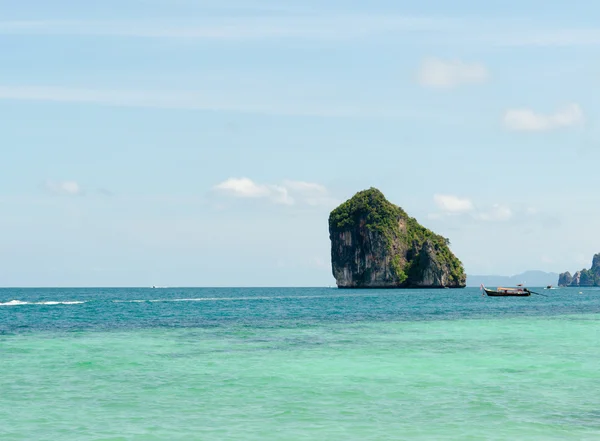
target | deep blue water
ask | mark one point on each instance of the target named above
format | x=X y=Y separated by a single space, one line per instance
x=25 y=310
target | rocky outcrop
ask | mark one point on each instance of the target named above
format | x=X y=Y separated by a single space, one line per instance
x=584 y=277
x=596 y=262
x=375 y=244
x=565 y=279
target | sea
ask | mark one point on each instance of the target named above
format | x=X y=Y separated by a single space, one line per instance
x=186 y=364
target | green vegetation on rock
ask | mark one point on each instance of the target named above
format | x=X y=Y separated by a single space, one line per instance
x=399 y=269
x=585 y=277
x=368 y=205
x=403 y=239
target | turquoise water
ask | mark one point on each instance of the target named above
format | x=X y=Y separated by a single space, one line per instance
x=298 y=364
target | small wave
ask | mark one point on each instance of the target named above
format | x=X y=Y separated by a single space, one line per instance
x=205 y=299
x=74 y=302
x=14 y=303
x=212 y=299
x=202 y=299
x=21 y=303
x=226 y=299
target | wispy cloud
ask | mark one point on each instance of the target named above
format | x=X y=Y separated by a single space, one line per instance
x=464 y=211
x=249 y=22
x=311 y=193
x=445 y=74
x=498 y=212
x=68 y=188
x=542 y=37
x=266 y=102
x=451 y=204
x=237 y=28
x=307 y=100
x=246 y=188
x=287 y=193
x=276 y=22
x=243 y=187
x=528 y=120
x=272 y=6
x=172 y=100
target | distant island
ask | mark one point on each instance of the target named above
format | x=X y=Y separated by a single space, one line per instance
x=375 y=244
x=530 y=278
x=584 y=277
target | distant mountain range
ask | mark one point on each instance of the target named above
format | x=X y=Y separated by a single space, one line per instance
x=528 y=278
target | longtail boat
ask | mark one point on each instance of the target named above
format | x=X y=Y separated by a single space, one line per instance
x=507 y=292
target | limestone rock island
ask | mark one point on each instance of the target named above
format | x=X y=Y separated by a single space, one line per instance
x=585 y=277
x=375 y=244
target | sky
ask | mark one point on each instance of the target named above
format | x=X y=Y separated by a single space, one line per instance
x=204 y=143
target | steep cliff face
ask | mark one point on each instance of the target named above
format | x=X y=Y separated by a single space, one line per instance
x=375 y=244
x=584 y=277
x=565 y=279
x=596 y=263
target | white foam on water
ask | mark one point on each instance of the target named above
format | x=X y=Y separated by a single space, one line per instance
x=197 y=299
x=14 y=303
x=225 y=299
x=204 y=299
x=21 y=303
x=212 y=299
x=74 y=302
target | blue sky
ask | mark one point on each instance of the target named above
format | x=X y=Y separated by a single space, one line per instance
x=202 y=143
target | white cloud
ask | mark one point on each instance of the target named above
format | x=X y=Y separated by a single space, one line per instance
x=246 y=188
x=447 y=74
x=243 y=187
x=287 y=193
x=280 y=195
x=528 y=120
x=451 y=204
x=69 y=188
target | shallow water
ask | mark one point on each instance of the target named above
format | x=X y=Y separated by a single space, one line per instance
x=297 y=364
